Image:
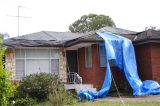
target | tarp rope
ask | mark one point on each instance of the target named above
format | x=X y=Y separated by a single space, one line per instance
x=123 y=103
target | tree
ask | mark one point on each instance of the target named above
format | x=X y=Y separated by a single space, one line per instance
x=6 y=87
x=91 y=22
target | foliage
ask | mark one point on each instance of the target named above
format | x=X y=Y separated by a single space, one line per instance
x=57 y=93
x=6 y=87
x=59 y=96
x=91 y=22
x=4 y=35
x=36 y=86
x=24 y=102
x=63 y=98
x=70 y=98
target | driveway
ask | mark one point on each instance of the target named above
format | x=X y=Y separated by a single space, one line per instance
x=153 y=98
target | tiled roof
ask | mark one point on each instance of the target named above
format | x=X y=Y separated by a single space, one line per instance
x=148 y=34
x=42 y=39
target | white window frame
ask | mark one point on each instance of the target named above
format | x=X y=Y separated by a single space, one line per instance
x=25 y=59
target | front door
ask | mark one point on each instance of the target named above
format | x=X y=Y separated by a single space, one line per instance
x=72 y=61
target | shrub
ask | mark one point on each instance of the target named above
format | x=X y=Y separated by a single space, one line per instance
x=24 y=102
x=60 y=97
x=6 y=87
x=57 y=93
x=70 y=98
x=36 y=86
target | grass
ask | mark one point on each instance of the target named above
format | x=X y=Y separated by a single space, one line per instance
x=107 y=103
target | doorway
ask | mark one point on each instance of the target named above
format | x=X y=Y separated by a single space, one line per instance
x=72 y=61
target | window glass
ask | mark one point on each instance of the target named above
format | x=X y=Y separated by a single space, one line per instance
x=102 y=56
x=55 y=53
x=20 y=53
x=37 y=53
x=88 y=57
x=20 y=69
x=36 y=60
x=55 y=66
x=35 y=66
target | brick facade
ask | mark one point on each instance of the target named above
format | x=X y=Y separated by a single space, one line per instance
x=96 y=74
x=147 y=56
x=143 y=57
x=148 y=59
x=155 y=58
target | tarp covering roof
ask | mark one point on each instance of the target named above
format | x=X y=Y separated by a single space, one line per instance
x=121 y=50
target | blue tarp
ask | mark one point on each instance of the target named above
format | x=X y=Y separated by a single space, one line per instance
x=122 y=51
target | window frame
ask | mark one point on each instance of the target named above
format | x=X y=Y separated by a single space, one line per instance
x=102 y=55
x=88 y=57
x=112 y=62
x=50 y=58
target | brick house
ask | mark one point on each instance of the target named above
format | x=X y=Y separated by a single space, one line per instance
x=65 y=52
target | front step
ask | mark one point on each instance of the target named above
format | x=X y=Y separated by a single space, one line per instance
x=79 y=87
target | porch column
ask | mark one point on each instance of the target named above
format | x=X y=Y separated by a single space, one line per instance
x=10 y=60
x=62 y=64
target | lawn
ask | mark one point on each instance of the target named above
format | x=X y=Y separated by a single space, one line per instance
x=107 y=103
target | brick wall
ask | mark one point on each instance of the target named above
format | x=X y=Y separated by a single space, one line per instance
x=155 y=58
x=148 y=61
x=96 y=74
x=143 y=57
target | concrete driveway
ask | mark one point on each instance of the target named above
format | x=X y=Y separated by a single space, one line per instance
x=153 y=98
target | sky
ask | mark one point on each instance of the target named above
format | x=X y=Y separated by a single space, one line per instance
x=57 y=15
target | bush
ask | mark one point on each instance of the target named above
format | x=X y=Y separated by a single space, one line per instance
x=36 y=86
x=6 y=87
x=24 y=102
x=70 y=98
x=57 y=93
x=61 y=97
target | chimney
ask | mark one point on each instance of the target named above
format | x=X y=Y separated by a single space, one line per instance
x=149 y=32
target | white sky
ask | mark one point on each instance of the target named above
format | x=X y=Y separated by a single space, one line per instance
x=57 y=15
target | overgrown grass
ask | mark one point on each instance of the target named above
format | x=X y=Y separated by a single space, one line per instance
x=106 y=103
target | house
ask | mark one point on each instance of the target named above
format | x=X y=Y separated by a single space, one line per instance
x=64 y=52
x=38 y=52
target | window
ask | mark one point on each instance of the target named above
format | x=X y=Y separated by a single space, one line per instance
x=103 y=57
x=29 y=61
x=88 y=57
x=20 y=64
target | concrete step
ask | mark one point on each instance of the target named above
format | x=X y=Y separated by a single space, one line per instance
x=79 y=87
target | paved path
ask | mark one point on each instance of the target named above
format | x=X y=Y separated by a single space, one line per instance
x=155 y=98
